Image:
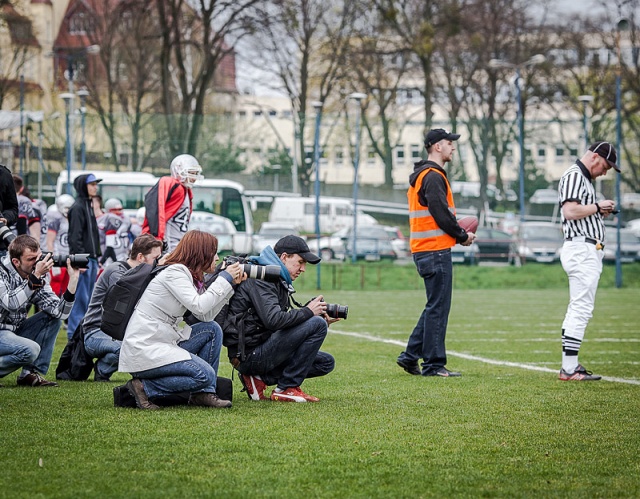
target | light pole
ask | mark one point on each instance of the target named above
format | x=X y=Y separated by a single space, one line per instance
x=586 y=99
x=623 y=25
x=68 y=100
x=317 y=105
x=358 y=97
x=276 y=177
x=533 y=61
x=83 y=93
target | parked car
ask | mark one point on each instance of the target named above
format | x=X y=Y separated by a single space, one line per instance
x=398 y=241
x=467 y=255
x=270 y=233
x=219 y=226
x=496 y=246
x=629 y=247
x=634 y=226
x=373 y=243
x=540 y=241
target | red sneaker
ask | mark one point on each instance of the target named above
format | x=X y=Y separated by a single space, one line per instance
x=254 y=386
x=294 y=394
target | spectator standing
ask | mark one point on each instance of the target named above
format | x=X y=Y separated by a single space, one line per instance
x=84 y=238
x=434 y=231
x=168 y=205
x=583 y=249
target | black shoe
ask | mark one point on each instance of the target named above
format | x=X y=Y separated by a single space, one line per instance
x=34 y=379
x=444 y=373
x=137 y=390
x=100 y=378
x=410 y=367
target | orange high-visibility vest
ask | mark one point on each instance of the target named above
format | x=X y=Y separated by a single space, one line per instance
x=426 y=235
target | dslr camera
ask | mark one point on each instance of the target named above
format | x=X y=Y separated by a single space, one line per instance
x=5 y=234
x=334 y=310
x=269 y=273
x=78 y=261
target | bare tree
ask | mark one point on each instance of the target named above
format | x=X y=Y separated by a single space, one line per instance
x=193 y=44
x=123 y=88
x=303 y=44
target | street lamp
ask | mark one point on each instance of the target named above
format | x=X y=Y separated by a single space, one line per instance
x=533 y=61
x=68 y=100
x=276 y=177
x=317 y=105
x=358 y=97
x=83 y=93
x=623 y=25
x=586 y=99
x=71 y=58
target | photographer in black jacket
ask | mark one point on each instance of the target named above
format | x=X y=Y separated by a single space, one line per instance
x=270 y=343
x=8 y=207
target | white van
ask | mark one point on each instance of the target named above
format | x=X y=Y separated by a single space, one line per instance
x=300 y=213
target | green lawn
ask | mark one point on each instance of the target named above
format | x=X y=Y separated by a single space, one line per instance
x=500 y=430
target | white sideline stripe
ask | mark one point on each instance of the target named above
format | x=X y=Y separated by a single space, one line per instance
x=528 y=367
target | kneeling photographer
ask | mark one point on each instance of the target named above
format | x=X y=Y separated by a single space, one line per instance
x=269 y=342
x=28 y=342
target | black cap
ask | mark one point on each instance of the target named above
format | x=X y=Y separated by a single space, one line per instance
x=607 y=151
x=438 y=134
x=295 y=245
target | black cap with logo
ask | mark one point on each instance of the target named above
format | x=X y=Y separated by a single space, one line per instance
x=438 y=134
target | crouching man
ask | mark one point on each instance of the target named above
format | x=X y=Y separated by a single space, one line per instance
x=29 y=343
x=98 y=344
x=269 y=342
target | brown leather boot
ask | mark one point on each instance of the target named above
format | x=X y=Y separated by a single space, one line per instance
x=137 y=390
x=206 y=399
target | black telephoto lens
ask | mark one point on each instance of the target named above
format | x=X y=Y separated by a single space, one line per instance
x=337 y=311
x=5 y=234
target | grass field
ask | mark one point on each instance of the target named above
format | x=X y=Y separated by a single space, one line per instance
x=506 y=428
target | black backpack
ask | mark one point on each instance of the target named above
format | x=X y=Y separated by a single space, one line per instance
x=75 y=363
x=121 y=298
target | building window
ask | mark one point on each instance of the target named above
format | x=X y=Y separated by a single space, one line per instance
x=80 y=24
x=371 y=156
x=273 y=113
x=415 y=151
x=559 y=151
x=339 y=156
x=542 y=154
x=573 y=151
x=257 y=113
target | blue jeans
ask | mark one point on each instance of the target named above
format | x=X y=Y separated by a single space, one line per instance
x=31 y=346
x=289 y=356
x=199 y=374
x=107 y=350
x=86 y=282
x=427 y=339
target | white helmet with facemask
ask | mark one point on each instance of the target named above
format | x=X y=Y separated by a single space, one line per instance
x=186 y=169
x=64 y=203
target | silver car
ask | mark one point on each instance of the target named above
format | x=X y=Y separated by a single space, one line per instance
x=540 y=242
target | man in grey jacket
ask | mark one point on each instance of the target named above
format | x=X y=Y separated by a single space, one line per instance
x=98 y=344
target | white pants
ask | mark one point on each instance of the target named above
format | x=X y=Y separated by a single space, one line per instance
x=583 y=264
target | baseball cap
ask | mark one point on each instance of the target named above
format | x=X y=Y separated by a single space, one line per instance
x=296 y=245
x=92 y=178
x=607 y=151
x=438 y=134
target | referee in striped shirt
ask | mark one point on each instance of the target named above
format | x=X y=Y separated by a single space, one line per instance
x=582 y=252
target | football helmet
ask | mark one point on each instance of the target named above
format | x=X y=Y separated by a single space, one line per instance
x=63 y=203
x=186 y=169
x=113 y=204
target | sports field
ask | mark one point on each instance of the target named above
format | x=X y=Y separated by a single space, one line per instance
x=506 y=428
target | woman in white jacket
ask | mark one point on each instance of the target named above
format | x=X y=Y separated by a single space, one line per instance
x=163 y=358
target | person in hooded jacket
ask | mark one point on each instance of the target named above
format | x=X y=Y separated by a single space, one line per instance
x=434 y=231
x=278 y=345
x=83 y=238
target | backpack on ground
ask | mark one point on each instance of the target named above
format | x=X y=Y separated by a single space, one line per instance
x=121 y=298
x=75 y=363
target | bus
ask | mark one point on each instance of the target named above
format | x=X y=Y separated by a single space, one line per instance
x=221 y=197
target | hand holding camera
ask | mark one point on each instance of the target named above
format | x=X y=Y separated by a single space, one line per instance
x=43 y=265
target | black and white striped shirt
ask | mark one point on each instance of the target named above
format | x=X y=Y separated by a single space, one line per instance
x=575 y=185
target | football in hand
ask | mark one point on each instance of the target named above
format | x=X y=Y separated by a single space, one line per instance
x=470 y=224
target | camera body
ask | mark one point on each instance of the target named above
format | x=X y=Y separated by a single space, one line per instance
x=78 y=261
x=5 y=234
x=269 y=273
